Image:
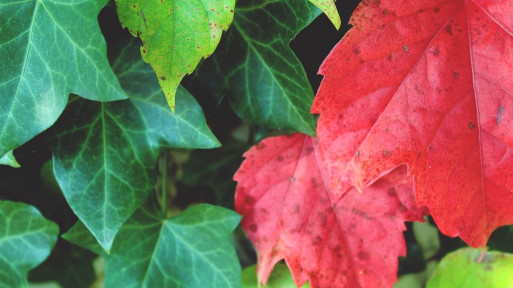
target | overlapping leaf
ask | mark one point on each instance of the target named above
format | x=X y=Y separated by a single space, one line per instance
x=105 y=153
x=255 y=67
x=26 y=240
x=473 y=268
x=45 y=57
x=192 y=249
x=287 y=214
x=329 y=8
x=176 y=35
x=8 y=159
x=427 y=83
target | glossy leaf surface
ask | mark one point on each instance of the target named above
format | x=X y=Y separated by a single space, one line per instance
x=26 y=240
x=175 y=35
x=287 y=214
x=45 y=57
x=105 y=154
x=471 y=268
x=426 y=83
x=256 y=69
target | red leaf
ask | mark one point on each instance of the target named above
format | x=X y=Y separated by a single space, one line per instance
x=428 y=84
x=287 y=214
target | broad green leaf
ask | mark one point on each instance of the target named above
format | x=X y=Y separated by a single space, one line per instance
x=280 y=278
x=8 y=159
x=49 y=49
x=469 y=268
x=215 y=168
x=329 y=8
x=255 y=67
x=192 y=249
x=176 y=35
x=105 y=154
x=26 y=240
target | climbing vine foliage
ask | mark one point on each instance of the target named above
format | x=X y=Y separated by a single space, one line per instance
x=184 y=143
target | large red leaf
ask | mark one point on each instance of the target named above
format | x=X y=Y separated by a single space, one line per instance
x=428 y=84
x=287 y=214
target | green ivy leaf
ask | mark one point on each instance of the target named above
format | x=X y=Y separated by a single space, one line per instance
x=105 y=154
x=45 y=57
x=8 y=159
x=192 y=249
x=26 y=240
x=176 y=35
x=469 y=268
x=329 y=8
x=255 y=67
x=280 y=278
x=82 y=237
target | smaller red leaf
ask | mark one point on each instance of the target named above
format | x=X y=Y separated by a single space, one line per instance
x=288 y=214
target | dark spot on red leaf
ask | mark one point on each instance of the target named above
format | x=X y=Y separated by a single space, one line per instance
x=280 y=158
x=471 y=125
x=253 y=228
x=364 y=255
x=309 y=150
x=356 y=51
x=384 y=12
x=392 y=192
x=448 y=29
x=249 y=200
x=455 y=75
x=436 y=10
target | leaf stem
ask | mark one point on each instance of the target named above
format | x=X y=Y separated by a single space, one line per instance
x=164 y=187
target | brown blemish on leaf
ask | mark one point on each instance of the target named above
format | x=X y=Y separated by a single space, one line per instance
x=253 y=228
x=249 y=200
x=448 y=29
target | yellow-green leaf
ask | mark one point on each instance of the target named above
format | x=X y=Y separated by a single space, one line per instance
x=329 y=8
x=176 y=35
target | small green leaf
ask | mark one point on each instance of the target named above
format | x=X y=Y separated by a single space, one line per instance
x=192 y=249
x=45 y=57
x=105 y=153
x=255 y=67
x=8 y=159
x=329 y=8
x=469 y=268
x=280 y=278
x=176 y=35
x=26 y=240
x=81 y=236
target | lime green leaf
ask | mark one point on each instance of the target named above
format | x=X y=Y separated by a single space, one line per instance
x=26 y=240
x=255 y=67
x=176 y=35
x=329 y=8
x=105 y=154
x=280 y=278
x=192 y=249
x=8 y=159
x=469 y=268
x=45 y=57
